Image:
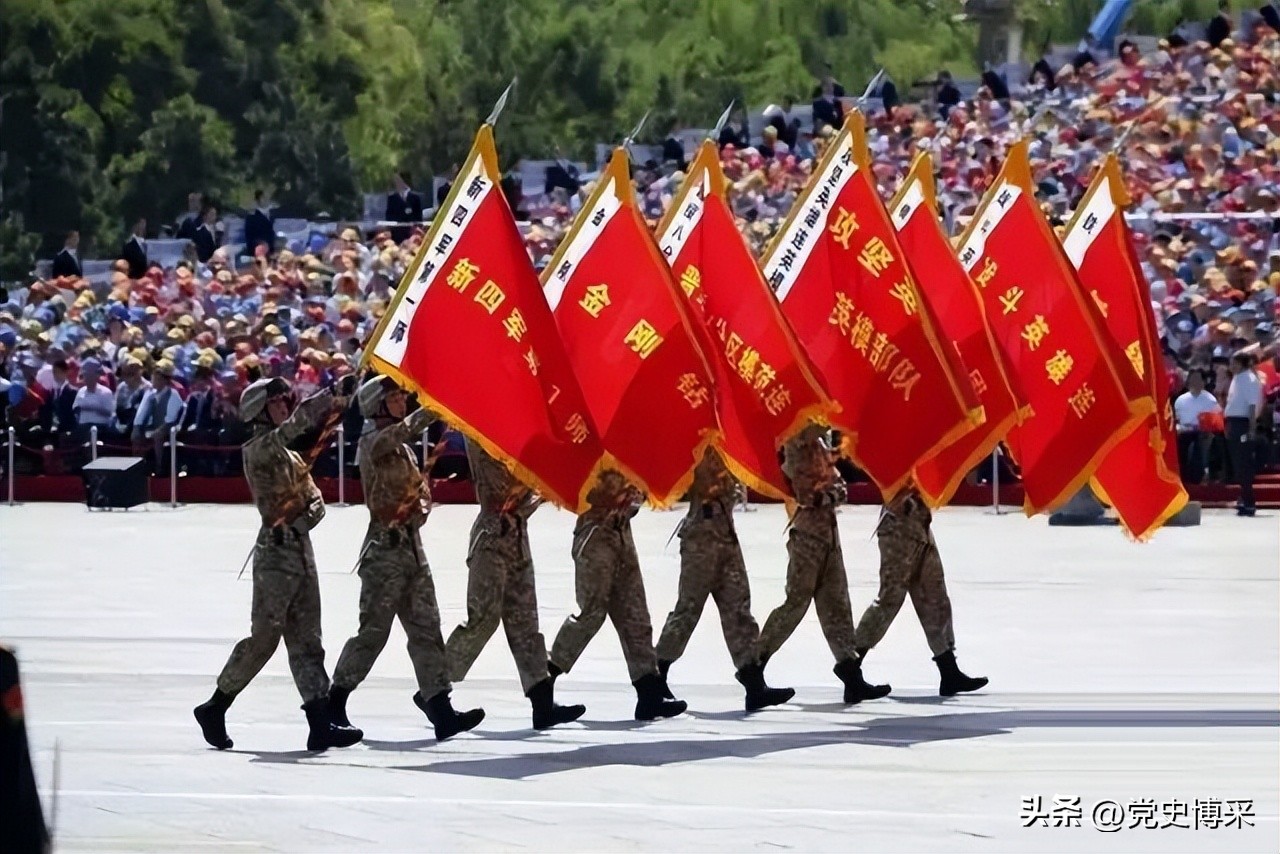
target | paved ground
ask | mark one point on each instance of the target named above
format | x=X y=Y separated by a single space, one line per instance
x=1119 y=672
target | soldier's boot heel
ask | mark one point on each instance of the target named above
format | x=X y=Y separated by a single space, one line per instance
x=546 y=713
x=447 y=721
x=856 y=689
x=664 y=667
x=651 y=701
x=759 y=694
x=325 y=732
x=212 y=717
x=338 y=705
x=954 y=681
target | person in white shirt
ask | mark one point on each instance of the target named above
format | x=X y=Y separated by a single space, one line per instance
x=160 y=410
x=1244 y=403
x=95 y=404
x=1193 y=443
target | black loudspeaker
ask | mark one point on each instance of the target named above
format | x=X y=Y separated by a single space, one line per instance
x=111 y=482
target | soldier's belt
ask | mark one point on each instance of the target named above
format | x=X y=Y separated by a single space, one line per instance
x=710 y=509
x=281 y=534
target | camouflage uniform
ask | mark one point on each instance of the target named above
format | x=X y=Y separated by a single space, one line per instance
x=395 y=580
x=608 y=582
x=711 y=564
x=286 y=592
x=816 y=570
x=500 y=583
x=909 y=563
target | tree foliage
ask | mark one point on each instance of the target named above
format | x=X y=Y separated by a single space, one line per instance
x=117 y=108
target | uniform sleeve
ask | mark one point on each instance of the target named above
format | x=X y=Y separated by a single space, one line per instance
x=411 y=427
x=309 y=414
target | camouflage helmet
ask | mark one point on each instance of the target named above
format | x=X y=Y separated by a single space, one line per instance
x=255 y=397
x=372 y=393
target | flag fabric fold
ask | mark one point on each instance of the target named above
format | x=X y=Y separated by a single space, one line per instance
x=646 y=382
x=957 y=305
x=765 y=388
x=1140 y=477
x=845 y=287
x=471 y=332
x=1060 y=359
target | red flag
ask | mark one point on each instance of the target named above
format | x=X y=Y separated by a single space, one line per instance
x=955 y=302
x=840 y=275
x=471 y=333
x=1140 y=477
x=765 y=387
x=1050 y=334
x=645 y=380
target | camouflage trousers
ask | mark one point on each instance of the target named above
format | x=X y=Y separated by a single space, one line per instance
x=909 y=564
x=608 y=583
x=286 y=604
x=711 y=565
x=500 y=588
x=395 y=581
x=815 y=573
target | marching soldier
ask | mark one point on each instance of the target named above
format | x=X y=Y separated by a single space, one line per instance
x=711 y=564
x=500 y=588
x=816 y=572
x=910 y=564
x=286 y=592
x=395 y=580
x=607 y=577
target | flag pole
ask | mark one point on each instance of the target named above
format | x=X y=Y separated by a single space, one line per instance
x=636 y=131
x=871 y=87
x=501 y=103
x=723 y=120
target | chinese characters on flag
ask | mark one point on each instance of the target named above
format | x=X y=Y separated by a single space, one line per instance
x=1140 y=476
x=765 y=389
x=840 y=275
x=471 y=332
x=956 y=304
x=1054 y=349
x=645 y=380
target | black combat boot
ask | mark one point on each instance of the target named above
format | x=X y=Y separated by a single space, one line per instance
x=856 y=688
x=651 y=700
x=212 y=717
x=545 y=711
x=760 y=694
x=953 y=680
x=338 y=705
x=664 y=667
x=447 y=721
x=325 y=732
x=553 y=670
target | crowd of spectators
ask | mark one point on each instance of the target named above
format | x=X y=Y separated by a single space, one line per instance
x=161 y=349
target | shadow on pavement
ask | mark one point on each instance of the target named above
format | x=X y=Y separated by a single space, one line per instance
x=900 y=731
x=887 y=732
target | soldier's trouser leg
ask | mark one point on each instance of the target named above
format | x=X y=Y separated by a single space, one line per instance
x=485 y=592
x=899 y=557
x=732 y=592
x=520 y=619
x=596 y=557
x=806 y=555
x=697 y=574
x=629 y=613
x=382 y=586
x=420 y=615
x=273 y=589
x=831 y=600
x=933 y=605
x=302 y=637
